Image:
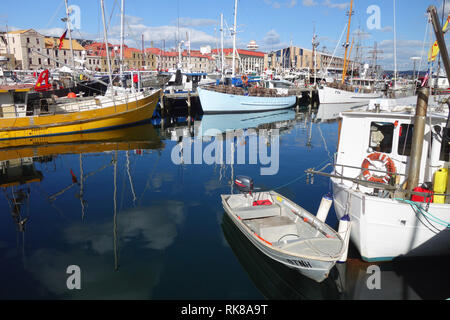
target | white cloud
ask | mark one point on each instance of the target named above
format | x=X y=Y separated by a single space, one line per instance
x=278 y=5
x=191 y=22
x=340 y=6
x=309 y=3
x=272 y=41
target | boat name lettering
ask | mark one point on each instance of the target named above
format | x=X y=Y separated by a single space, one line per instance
x=301 y=263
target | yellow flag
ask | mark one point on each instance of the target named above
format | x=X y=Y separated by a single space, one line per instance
x=434 y=50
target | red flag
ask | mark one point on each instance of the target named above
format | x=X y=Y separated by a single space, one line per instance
x=74 y=178
x=61 y=40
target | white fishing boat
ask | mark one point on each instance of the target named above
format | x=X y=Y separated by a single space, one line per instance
x=214 y=101
x=371 y=172
x=391 y=176
x=329 y=94
x=283 y=230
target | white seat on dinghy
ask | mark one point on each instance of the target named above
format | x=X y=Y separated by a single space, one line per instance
x=256 y=212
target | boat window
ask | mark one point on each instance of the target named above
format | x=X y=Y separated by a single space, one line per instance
x=445 y=149
x=280 y=85
x=19 y=97
x=404 y=139
x=381 y=136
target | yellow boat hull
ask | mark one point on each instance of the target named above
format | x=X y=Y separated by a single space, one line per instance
x=106 y=118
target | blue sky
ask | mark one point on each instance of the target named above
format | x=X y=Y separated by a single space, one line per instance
x=272 y=23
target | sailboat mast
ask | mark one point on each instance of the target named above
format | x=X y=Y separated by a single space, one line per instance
x=344 y=71
x=106 y=44
x=221 y=42
x=234 y=37
x=122 y=16
x=70 y=33
x=395 y=51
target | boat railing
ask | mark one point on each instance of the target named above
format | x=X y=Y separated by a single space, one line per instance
x=65 y=105
x=394 y=188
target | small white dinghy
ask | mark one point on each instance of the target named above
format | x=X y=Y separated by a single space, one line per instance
x=283 y=230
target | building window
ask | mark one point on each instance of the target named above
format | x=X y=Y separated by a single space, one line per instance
x=48 y=52
x=39 y=61
x=48 y=61
x=37 y=41
x=30 y=61
x=28 y=40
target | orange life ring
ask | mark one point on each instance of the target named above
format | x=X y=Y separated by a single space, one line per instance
x=387 y=162
x=244 y=79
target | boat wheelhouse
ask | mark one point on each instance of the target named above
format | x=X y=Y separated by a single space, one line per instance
x=370 y=178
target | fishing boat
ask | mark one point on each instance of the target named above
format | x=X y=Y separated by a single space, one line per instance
x=61 y=116
x=342 y=92
x=338 y=93
x=370 y=182
x=223 y=99
x=284 y=231
x=391 y=177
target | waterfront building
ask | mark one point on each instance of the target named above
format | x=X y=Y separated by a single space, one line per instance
x=193 y=61
x=246 y=60
x=297 y=58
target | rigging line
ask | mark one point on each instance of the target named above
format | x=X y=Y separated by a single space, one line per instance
x=423 y=45
x=54 y=14
x=300 y=177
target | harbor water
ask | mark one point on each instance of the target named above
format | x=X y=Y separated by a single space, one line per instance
x=142 y=220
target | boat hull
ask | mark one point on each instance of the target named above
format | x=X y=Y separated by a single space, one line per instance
x=384 y=229
x=217 y=102
x=106 y=118
x=317 y=270
x=331 y=95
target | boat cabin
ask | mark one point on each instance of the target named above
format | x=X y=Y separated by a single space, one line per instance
x=365 y=134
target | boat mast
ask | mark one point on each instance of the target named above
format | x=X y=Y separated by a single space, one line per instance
x=344 y=71
x=122 y=16
x=395 y=51
x=106 y=45
x=234 y=37
x=221 y=42
x=70 y=33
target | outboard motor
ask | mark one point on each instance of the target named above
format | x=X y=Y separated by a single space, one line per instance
x=244 y=184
